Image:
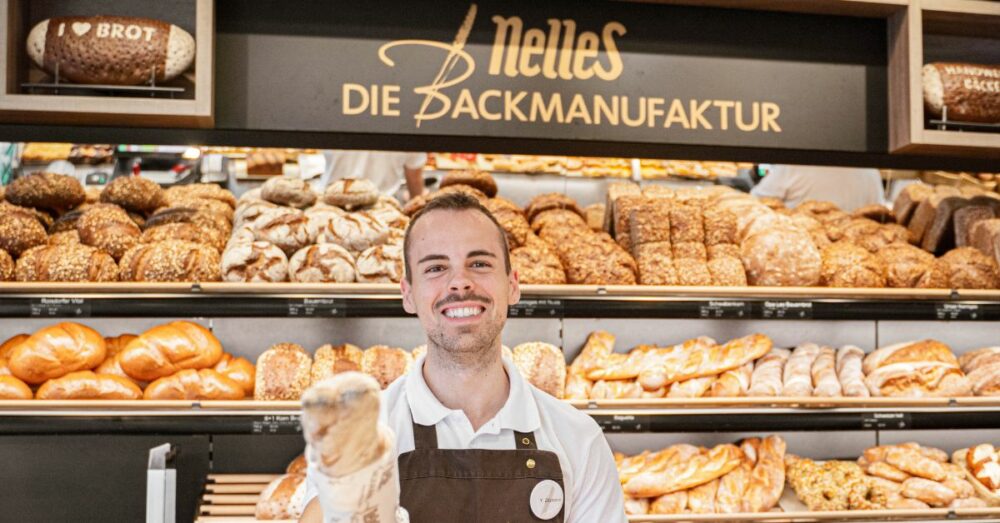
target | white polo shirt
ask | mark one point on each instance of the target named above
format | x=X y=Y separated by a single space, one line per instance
x=590 y=478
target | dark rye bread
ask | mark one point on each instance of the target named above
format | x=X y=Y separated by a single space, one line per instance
x=939 y=236
x=46 y=191
x=134 y=193
x=965 y=218
x=908 y=200
x=170 y=260
x=985 y=237
x=19 y=231
x=69 y=262
x=199 y=218
x=109 y=228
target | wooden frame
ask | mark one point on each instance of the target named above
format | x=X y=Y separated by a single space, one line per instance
x=906 y=56
x=82 y=110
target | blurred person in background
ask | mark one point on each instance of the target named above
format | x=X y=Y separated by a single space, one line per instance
x=391 y=171
x=848 y=188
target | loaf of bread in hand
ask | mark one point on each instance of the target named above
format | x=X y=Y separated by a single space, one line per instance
x=55 y=351
x=168 y=348
x=190 y=384
x=86 y=385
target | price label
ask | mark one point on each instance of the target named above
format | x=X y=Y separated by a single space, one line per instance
x=326 y=307
x=788 y=310
x=277 y=424
x=724 y=309
x=886 y=420
x=61 y=307
x=536 y=309
x=624 y=423
x=958 y=311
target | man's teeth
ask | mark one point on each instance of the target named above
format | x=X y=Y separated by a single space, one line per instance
x=464 y=312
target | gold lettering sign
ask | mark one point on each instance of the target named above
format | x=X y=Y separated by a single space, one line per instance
x=561 y=51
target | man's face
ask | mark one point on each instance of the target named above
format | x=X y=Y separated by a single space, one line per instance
x=460 y=289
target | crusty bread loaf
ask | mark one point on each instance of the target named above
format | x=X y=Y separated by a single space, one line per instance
x=970 y=92
x=687 y=473
x=965 y=219
x=70 y=262
x=781 y=256
x=293 y=192
x=191 y=384
x=970 y=269
x=849 y=371
x=109 y=228
x=254 y=261
x=655 y=262
x=767 y=479
x=350 y=193
x=847 y=265
x=385 y=364
x=46 y=191
x=283 y=498
x=549 y=201
x=86 y=385
x=985 y=236
x=911 y=267
x=325 y=262
x=207 y=191
x=8 y=346
x=543 y=365
x=166 y=349
x=55 y=351
x=511 y=219
x=8 y=268
x=203 y=219
x=910 y=352
x=355 y=231
x=766 y=379
x=918 y=380
x=969 y=361
x=282 y=373
x=649 y=222
x=381 y=264
x=188 y=232
x=240 y=370
x=283 y=227
x=537 y=262
x=12 y=388
x=170 y=260
x=134 y=193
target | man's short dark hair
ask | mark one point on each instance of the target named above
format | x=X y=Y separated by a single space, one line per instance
x=455 y=201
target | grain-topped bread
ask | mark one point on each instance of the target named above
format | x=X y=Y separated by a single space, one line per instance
x=109 y=228
x=201 y=219
x=254 y=262
x=549 y=201
x=385 y=364
x=543 y=365
x=46 y=191
x=134 y=193
x=184 y=231
x=19 y=231
x=293 y=192
x=351 y=193
x=330 y=361
x=7 y=266
x=847 y=265
x=970 y=269
x=907 y=266
x=477 y=179
x=537 y=263
x=208 y=191
x=170 y=260
x=282 y=373
x=69 y=262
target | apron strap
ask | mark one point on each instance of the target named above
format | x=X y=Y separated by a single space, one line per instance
x=525 y=440
x=425 y=437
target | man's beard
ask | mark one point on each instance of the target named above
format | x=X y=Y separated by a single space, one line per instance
x=470 y=344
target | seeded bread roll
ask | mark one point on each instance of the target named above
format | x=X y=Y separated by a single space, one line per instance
x=511 y=219
x=292 y=192
x=70 y=262
x=476 y=179
x=330 y=361
x=543 y=365
x=134 y=193
x=385 y=364
x=686 y=224
x=46 y=191
x=254 y=262
x=19 y=231
x=203 y=204
x=380 y=264
x=847 y=265
x=66 y=222
x=64 y=238
x=282 y=373
x=970 y=269
x=351 y=194
x=356 y=232
x=184 y=231
x=326 y=262
x=537 y=263
x=201 y=219
x=284 y=227
x=649 y=222
x=7 y=266
x=109 y=228
x=692 y=272
x=727 y=271
x=656 y=263
x=907 y=266
x=209 y=191
x=720 y=227
x=170 y=260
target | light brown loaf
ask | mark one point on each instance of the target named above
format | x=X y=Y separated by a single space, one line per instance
x=325 y=262
x=970 y=269
x=19 y=231
x=254 y=261
x=292 y=192
x=169 y=348
x=240 y=370
x=971 y=92
x=184 y=231
x=351 y=194
x=170 y=260
x=86 y=385
x=55 y=351
x=134 y=193
x=282 y=373
x=385 y=364
x=191 y=384
x=46 y=191
x=12 y=388
x=109 y=228
x=283 y=498
x=71 y=262
x=543 y=365
x=329 y=361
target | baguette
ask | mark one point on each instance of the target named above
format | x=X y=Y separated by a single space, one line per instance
x=686 y=474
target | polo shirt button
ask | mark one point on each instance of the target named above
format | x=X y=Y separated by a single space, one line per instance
x=530 y=463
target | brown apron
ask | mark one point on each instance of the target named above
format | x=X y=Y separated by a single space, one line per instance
x=474 y=485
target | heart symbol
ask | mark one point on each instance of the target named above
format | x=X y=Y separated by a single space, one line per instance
x=81 y=28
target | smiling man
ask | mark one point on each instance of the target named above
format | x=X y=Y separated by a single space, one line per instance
x=475 y=441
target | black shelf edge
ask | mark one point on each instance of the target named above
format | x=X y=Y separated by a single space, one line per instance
x=215 y=305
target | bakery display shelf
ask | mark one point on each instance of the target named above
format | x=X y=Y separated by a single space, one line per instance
x=19 y=300
x=614 y=416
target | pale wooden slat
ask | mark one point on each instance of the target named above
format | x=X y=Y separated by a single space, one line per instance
x=237 y=519
x=221 y=510
x=238 y=488
x=231 y=499
x=242 y=478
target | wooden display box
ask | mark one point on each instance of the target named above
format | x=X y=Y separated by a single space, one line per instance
x=938 y=30
x=192 y=108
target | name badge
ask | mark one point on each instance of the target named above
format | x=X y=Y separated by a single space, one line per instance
x=546 y=499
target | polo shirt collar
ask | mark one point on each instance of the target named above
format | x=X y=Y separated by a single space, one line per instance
x=519 y=412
